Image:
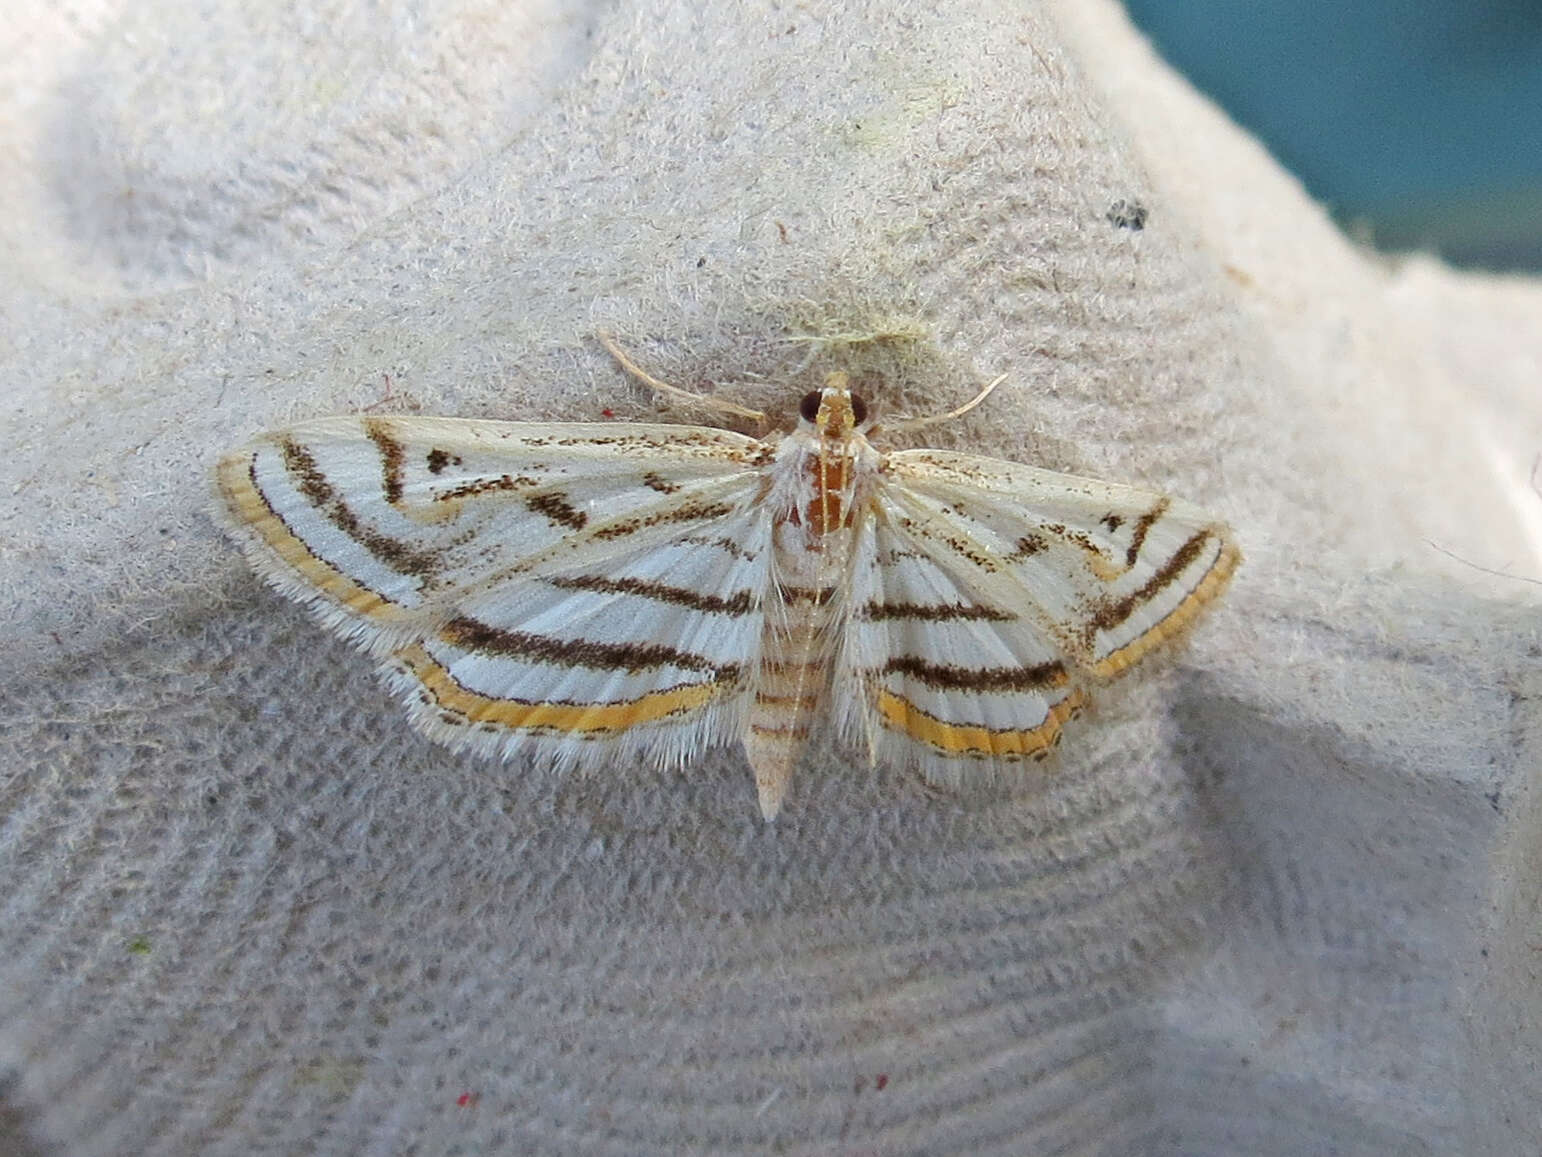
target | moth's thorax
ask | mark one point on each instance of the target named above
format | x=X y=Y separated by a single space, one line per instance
x=830 y=462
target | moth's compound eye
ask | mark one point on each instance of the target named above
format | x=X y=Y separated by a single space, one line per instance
x=809 y=406
x=858 y=409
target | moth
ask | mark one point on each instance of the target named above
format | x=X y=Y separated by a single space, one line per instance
x=586 y=591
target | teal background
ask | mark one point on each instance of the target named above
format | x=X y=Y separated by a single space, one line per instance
x=1418 y=124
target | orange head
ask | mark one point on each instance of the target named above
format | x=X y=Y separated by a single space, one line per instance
x=835 y=412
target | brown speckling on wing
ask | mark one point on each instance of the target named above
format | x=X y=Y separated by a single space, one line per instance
x=654 y=481
x=934 y=612
x=393 y=457
x=438 y=459
x=476 y=637
x=1206 y=589
x=481 y=486
x=555 y=506
x=1142 y=528
x=686 y=512
x=739 y=603
x=310 y=481
x=245 y=503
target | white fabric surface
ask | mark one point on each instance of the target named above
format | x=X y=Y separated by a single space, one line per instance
x=1280 y=895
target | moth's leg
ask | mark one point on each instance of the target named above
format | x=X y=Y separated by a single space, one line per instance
x=904 y=425
x=675 y=393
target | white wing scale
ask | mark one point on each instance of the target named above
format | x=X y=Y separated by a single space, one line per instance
x=529 y=586
x=985 y=594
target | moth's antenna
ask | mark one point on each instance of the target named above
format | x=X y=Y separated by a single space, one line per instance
x=906 y=424
x=665 y=390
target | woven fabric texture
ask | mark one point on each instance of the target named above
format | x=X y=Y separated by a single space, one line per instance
x=1279 y=893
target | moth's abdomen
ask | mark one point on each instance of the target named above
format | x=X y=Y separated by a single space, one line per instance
x=794 y=672
x=796 y=652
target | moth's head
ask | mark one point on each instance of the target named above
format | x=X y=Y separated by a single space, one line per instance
x=834 y=412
